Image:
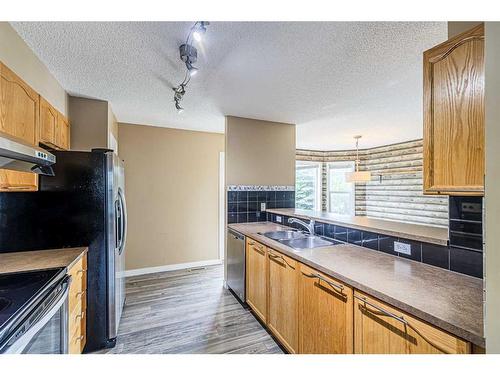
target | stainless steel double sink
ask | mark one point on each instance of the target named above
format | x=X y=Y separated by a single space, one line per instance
x=298 y=240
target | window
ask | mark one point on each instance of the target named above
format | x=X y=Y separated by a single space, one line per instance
x=308 y=185
x=340 y=193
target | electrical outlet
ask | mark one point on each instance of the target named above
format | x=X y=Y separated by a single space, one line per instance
x=403 y=248
x=278 y=219
x=263 y=206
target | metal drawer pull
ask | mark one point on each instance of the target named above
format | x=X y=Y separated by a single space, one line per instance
x=400 y=319
x=79 y=294
x=331 y=283
x=251 y=243
x=80 y=316
x=274 y=256
x=79 y=338
x=81 y=271
x=259 y=250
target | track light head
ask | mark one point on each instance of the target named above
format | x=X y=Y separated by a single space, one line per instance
x=191 y=69
x=178 y=107
x=199 y=29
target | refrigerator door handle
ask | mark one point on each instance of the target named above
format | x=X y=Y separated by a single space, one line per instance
x=123 y=221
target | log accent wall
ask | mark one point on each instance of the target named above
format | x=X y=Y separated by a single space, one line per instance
x=395 y=192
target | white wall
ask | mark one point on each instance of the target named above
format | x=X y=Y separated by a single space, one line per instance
x=16 y=54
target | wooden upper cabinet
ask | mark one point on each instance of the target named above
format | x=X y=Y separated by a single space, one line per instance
x=325 y=314
x=48 y=123
x=54 y=127
x=256 y=278
x=62 y=132
x=454 y=115
x=282 y=317
x=382 y=329
x=19 y=116
x=19 y=107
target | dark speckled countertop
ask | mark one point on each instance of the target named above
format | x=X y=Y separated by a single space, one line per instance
x=448 y=300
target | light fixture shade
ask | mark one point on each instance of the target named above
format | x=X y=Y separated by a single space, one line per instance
x=358 y=176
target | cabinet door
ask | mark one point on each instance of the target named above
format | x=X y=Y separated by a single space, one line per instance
x=48 y=123
x=325 y=314
x=19 y=114
x=283 y=299
x=256 y=278
x=19 y=107
x=62 y=132
x=382 y=329
x=454 y=115
x=18 y=181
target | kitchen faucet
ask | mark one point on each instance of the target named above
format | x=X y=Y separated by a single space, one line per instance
x=309 y=227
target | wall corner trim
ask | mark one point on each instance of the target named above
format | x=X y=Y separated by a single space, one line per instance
x=171 y=267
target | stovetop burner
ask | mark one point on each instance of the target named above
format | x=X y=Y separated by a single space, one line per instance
x=4 y=303
x=20 y=280
x=18 y=289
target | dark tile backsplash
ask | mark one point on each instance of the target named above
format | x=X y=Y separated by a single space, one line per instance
x=246 y=206
x=464 y=261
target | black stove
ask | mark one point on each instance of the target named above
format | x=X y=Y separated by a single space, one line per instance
x=20 y=292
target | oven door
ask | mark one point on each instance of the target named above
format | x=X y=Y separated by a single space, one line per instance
x=46 y=330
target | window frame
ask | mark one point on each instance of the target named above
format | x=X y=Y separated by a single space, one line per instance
x=319 y=181
x=352 y=192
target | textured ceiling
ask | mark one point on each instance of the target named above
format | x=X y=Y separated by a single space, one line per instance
x=333 y=79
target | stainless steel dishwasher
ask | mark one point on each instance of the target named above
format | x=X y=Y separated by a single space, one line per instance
x=236 y=263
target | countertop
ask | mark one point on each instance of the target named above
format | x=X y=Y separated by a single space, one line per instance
x=40 y=259
x=448 y=300
x=417 y=232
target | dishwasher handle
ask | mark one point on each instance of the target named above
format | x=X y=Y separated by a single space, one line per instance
x=235 y=235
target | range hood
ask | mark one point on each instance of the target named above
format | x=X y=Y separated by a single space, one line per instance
x=19 y=156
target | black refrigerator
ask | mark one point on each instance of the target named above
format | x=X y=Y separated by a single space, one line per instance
x=82 y=205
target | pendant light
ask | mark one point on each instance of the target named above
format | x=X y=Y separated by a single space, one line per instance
x=358 y=176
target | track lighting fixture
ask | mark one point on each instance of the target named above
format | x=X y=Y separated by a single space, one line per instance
x=189 y=55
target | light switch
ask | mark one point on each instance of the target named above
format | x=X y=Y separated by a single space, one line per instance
x=278 y=219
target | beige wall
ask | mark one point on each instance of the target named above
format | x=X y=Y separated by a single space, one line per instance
x=455 y=27
x=259 y=152
x=492 y=198
x=172 y=183
x=93 y=124
x=16 y=54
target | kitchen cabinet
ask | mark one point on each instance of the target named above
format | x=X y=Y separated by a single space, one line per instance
x=454 y=115
x=382 y=329
x=256 y=279
x=54 y=127
x=19 y=108
x=77 y=306
x=325 y=314
x=283 y=299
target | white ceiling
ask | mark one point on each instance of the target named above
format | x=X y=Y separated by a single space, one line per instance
x=332 y=79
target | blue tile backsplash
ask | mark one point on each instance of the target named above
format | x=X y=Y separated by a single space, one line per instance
x=453 y=259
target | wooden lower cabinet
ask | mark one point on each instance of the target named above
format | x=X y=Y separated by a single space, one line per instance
x=325 y=314
x=282 y=318
x=77 y=302
x=382 y=329
x=256 y=278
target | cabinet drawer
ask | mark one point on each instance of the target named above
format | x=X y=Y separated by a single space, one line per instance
x=383 y=329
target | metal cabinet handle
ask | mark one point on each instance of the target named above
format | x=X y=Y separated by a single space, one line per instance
x=331 y=283
x=79 y=294
x=400 y=319
x=81 y=271
x=79 y=338
x=80 y=316
x=274 y=256
x=260 y=250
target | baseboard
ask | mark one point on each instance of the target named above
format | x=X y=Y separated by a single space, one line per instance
x=171 y=267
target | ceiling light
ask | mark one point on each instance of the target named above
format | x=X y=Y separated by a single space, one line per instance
x=188 y=54
x=358 y=176
x=191 y=69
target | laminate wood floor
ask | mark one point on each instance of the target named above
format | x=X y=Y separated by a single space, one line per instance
x=187 y=312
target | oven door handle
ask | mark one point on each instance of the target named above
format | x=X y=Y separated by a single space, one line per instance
x=18 y=346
